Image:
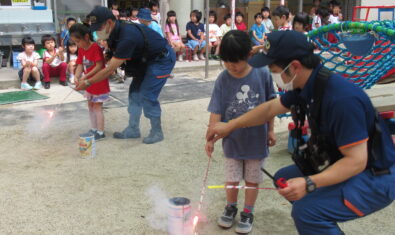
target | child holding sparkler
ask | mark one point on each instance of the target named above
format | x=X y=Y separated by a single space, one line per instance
x=90 y=61
x=237 y=90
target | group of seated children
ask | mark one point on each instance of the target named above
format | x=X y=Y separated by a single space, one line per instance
x=56 y=62
x=53 y=63
x=130 y=14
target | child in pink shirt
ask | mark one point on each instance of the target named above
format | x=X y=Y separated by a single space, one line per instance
x=173 y=34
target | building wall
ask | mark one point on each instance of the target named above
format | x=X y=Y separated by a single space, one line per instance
x=373 y=14
x=182 y=9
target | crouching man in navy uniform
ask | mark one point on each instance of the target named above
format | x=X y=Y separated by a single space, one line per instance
x=347 y=168
x=149 y=59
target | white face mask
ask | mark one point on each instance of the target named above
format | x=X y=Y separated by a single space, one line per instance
x=102 y=34
x=280 y=83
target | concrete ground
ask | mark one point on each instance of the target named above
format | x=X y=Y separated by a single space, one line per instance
x=47 y=188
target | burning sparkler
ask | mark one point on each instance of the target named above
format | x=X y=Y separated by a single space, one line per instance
x=51 y=113
x=196 y=218
x=236 y=187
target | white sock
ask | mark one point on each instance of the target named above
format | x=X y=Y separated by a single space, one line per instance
x=100 y=132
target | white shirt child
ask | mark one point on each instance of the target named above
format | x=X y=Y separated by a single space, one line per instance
x=31 y=58
x=56 y=62
x=214 y=32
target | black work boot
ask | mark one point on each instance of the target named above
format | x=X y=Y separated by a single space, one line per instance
x=156 y=133
x=132 y=131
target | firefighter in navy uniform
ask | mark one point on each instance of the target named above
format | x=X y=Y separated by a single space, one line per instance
x=347 y=168
x=149 y=59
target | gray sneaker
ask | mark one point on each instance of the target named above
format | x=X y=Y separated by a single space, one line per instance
x=88 y=133
x=228 y=217
x=99 y=137
x=244 y=226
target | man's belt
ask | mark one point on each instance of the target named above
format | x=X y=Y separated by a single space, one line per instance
x=378 y=172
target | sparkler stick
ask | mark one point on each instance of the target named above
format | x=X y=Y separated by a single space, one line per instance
x=51 y=113
x=196 y=218
x=236 y=187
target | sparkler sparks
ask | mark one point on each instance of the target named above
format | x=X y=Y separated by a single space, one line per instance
x=50 y=113
x=195 y=221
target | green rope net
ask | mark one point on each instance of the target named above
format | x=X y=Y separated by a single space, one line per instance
x=362 y=52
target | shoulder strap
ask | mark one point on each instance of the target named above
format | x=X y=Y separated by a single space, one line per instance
x=318 y=94
x=145 y=46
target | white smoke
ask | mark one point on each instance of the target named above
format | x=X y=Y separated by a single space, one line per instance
x=40 y=122
x=158 y=216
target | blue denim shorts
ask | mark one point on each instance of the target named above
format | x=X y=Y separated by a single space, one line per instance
x=193 y=44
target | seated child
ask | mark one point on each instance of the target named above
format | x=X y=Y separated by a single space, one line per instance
x=195 y=35
x=155 y=14
x=321 y=18
x=280 y=19
x=123 y=15
x=258 y=31
x=214 y=35
x=336 y=15
x=133 y=16
x=173 y=34
x=240 y=25
x=65 y=36
x=227 y=26
x=53 y=62
x=90 y=61
x=70 y=58
x=301 y=22
x=237 y=90
x=316 y=5
x=114 y=9
x=29 y=59
x=267 y=22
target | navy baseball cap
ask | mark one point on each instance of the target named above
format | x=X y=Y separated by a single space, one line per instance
x=144 y=14
x=98 y=17
x=282 y=45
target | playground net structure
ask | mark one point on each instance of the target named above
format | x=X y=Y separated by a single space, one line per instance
x=362 y=52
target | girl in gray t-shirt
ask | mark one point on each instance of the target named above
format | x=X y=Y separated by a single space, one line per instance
x=238 y=89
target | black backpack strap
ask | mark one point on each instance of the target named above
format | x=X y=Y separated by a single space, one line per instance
x=318 y=94
x=145 y=46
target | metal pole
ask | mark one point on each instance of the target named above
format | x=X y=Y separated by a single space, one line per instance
x=267 y=3
x=233 y=7
x=300 y=5
x=55 y=11
x=207 y=38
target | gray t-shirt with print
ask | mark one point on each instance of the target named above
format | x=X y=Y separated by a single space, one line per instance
x=231 y=98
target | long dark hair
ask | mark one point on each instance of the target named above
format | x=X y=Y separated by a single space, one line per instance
x=71 y=43
x=170 y=14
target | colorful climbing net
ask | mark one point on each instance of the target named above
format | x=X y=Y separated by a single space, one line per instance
x=362 y=52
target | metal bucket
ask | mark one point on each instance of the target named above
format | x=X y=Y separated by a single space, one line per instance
x=87 y=146
x=179 y=216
